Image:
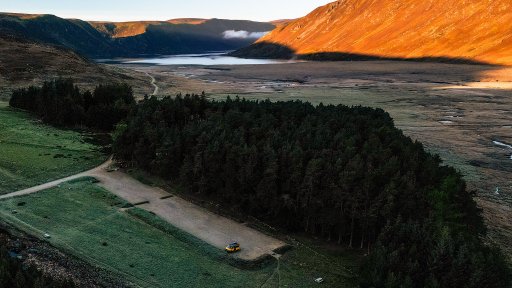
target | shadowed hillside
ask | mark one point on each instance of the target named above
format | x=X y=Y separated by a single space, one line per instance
x=25 y=62
x=77 y=35
x=168 y=38
x=128 y=39
x=477 y=30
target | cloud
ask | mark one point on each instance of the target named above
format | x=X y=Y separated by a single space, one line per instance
x=242 y=34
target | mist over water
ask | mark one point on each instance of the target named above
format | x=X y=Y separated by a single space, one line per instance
x=242 y=34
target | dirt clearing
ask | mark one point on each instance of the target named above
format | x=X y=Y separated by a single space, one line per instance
x=213 y=229
x=216 y=230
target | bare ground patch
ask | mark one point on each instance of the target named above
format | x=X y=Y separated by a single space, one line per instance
x=216 y=230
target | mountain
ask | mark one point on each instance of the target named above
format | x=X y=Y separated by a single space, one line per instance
x=187 y=21
x=123 y=29
x=76 y=35
x=128 y=39
x=281 y=22
x=24 y=62
x=183 y=35
x=472 y=30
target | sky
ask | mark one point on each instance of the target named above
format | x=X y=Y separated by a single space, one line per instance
x=131 y=10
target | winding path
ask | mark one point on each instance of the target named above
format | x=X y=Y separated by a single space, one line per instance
x=55 y=183
x=216 y=230
x=153 y=82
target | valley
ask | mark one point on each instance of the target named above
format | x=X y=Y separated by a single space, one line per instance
x=131 y=39
x=361 y=143
x=441 y=105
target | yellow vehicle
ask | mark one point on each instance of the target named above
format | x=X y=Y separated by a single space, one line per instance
x=233 y=247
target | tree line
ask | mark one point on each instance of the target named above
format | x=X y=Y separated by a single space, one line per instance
x=344 y=174
x=62 y=103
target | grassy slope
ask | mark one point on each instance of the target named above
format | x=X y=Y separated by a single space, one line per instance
x=472 y=29
x=24 y=63
x=28 y=151
x=81 y=217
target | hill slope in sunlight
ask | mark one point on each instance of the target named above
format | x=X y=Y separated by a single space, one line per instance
x=478 y=30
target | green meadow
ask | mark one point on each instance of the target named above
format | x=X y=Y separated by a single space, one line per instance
x=32 y=153
x=96 y=226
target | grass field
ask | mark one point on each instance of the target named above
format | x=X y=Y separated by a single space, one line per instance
x=91 y=223
x=32 y=153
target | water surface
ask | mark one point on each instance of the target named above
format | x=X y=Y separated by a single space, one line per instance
x=207 y=59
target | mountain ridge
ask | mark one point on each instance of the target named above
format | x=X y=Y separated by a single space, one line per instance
x=476 y=30
x=130 y=39
x=24 y=62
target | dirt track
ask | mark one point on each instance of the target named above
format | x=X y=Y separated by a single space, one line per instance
x=457 y=111
x=153 y=82
x=209 y=227
x=55 y=183
x=216 y=230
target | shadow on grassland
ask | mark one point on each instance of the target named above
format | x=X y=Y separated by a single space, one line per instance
x=267 y=50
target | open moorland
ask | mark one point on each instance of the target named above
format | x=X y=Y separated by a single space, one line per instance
x=78 y=217
x=34 y=153
x=24 y=63
x=461 y=112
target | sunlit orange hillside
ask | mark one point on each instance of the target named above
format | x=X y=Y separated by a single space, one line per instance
x=191 y=21
x=282 y=22
x=123 y=29
x=479 y=30
x=130 y=29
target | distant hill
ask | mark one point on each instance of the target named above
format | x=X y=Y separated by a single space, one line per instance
x=123 y=29
x=282 y=22
x=77 y=35
x=24 y=62
x=473 y=30
x=109 y=39
x=190 y=36
x=187 y=21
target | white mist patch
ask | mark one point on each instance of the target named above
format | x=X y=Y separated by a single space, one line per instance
x=242 y=34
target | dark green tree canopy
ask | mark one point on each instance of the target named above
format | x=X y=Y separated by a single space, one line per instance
x=62 y=103
x=345 y=174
